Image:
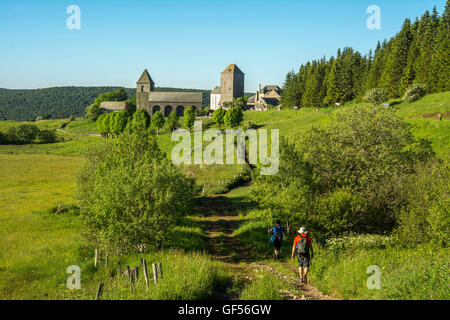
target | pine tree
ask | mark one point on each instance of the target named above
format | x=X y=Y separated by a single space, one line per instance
x=397 y=60
x=332 y=84
x=440 y=62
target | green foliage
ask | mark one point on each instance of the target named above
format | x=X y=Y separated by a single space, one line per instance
x=415 y=92
x=59 y=103
x=343 y=177
x=118 y=122
x=406 y=274
x=158 y=120
x=119 y=95
x=189 y=117
x=234 y=117
x=418 y=53
x=426 y=216
x=172 y=121
x=92 y=112
x=141 y=120
x=376 y=96
x=131 y=195
x=219 y=116
x=46 y=136
x=27 y=134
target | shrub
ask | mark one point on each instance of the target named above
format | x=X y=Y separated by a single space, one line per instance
x=343 y=177
x=140 y=119
x=189 y=117
x=158 y=121
x=46 y=136
x=415 y=92
x=426 y=216
x=172 y=121
x=219 y=116
x=233 y=117
x=26 y=133
x=131 y=195
x=376 y=96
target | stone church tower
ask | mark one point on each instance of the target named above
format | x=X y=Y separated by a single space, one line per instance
x=232 y=84
x=144 y=86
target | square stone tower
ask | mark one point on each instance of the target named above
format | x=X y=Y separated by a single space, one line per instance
x=144 y=86
x=232 y=84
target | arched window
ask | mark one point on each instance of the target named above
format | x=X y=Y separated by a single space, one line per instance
x=142 y=88
x=155 y=109
x=167 y=111
x=180 y=111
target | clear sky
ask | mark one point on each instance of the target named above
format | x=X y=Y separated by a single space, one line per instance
x=183 y=43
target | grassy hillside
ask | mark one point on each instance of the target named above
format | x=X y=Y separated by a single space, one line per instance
x=421 y=114
x=39 y=245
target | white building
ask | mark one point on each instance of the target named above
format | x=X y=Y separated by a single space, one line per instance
x=215 y=99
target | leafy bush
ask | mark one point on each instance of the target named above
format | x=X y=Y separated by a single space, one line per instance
x=189 y=117
x=376 y=96
x=140 y=119
x=233 y=117
x=46 y=136
x=219 y=116
x=415 y=92
x=27 y=134
x=426 y=216
x=131 y=195
x=158 y=121
x=344 y=177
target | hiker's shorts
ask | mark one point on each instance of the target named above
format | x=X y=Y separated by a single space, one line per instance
x=303 y=261
x=277 y=244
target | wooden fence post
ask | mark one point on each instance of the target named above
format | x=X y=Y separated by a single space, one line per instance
x=160 y=270
x=119 y=269
x=95 y=258
x=144 y=269
x=136 y=273
x=131 y=278
x=99 y=291
x=107 y=260
x=155 y=275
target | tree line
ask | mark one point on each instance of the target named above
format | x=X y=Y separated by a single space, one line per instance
x=418 y=55
x=56 y=103
x=60 y=102
x=27 y=134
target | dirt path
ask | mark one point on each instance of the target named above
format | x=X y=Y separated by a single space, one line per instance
x=220 y=219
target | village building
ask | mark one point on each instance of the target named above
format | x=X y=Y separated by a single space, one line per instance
x=215 y=98
x=113 y=106
x=165 y=102
x=265 y=97
x=232 y=87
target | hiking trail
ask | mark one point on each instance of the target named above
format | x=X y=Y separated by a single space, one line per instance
x=220 y=220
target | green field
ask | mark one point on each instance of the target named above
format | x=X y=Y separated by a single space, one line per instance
x=38 y=244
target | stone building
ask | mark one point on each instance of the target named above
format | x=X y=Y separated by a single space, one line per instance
x=232 y=87
x=264 y=97
x=113 y=106
x=165 y=102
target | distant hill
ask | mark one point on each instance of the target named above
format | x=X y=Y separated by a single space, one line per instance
x=58 y=102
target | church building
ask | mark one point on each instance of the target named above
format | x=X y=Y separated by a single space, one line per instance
x=165 y=102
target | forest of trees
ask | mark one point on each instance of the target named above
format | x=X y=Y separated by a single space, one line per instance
x=59 y=102
x=418 y=54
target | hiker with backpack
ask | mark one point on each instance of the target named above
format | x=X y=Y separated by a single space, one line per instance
x=303 y=246
x=277 y=237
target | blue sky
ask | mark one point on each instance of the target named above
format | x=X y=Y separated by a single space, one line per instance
x=183 y=43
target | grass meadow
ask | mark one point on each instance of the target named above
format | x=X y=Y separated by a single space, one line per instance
x=38 y=245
